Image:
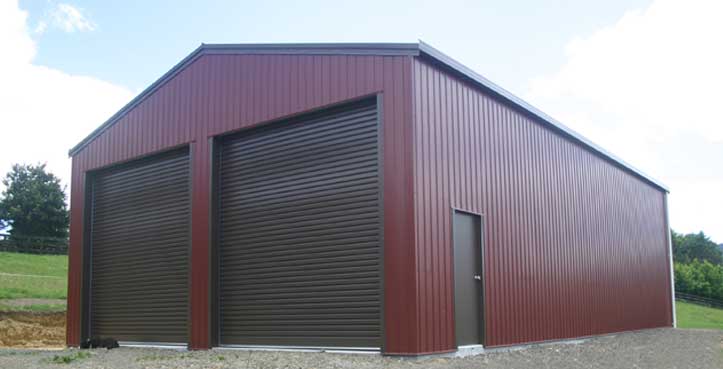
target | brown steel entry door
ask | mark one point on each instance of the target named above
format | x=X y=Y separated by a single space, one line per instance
x=467 y=278
x=139 y=245
x=300 y=232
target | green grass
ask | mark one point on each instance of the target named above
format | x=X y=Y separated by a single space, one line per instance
x=67 y=359
x=33 y=307
x=33 y=276
x=698 y=316
x=17 y=287
x=48 y=265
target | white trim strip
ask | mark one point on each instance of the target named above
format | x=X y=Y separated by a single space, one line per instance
x=671 y=267
x=160 y=345
x=339 y=350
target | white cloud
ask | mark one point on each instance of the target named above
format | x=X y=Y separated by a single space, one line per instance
x=648 y=88
x=40 y=28
x=44 y=111
x=71 y=19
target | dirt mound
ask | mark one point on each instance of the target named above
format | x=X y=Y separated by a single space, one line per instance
x=32 y=329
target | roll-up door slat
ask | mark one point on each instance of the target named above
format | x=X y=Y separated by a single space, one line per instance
x=140 y=235
x=300 y=232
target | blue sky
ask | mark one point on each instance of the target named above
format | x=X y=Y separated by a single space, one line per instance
x=641 y=78
x=134 y=42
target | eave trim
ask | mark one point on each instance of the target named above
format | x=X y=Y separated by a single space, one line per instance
x=435 y=55
x=420 y=48
x=377 y=49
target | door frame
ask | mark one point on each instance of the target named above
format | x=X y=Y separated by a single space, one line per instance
x=86 y=274
x=216 y=142
x=481 y=318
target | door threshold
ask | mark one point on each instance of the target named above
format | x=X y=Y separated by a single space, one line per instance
x=335 y=350
x=468 y=350
x=160 y=345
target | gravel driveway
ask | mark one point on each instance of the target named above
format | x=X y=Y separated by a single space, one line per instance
x=659 y=348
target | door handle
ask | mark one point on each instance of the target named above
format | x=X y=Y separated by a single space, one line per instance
x=478 y=278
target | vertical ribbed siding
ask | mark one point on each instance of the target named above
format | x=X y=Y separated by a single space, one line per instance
x=220 y=93
x=574 y=245
x=74 y=310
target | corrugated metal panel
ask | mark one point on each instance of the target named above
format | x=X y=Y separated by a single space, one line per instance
x=220 y=93
x=301 y=233
x=427 y=52
x=140 y=239
x=575 y=246
x=337 y=49
x=74 y=311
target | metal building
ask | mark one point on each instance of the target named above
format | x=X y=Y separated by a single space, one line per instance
x=359 y=196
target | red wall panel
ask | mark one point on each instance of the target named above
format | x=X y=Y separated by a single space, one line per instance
x=225 y=92
x=574 y=245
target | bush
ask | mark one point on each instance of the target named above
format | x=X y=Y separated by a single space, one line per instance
x=700 y=278
x=695 y=246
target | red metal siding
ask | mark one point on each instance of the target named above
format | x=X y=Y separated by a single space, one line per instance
x=574 y=245
x=73 y=311
x=220 y=93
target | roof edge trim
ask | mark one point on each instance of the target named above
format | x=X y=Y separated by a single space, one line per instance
x=137 y=100
x=439 y=57
x=380 y=49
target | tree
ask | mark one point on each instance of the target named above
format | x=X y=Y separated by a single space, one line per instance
x=700 y=278
x=695 y=246
x=33 y=203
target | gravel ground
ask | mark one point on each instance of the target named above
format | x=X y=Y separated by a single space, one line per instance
x=659 y=348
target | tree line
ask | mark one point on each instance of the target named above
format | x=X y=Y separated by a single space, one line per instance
x=698 y=265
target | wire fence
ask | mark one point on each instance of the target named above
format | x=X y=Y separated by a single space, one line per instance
x=698 y=299
x=34 y=245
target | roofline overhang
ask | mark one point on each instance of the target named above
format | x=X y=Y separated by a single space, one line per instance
x=417 y=49
x=381 y=49
x=437 y=56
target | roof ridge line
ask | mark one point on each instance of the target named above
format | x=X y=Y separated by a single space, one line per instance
x=382 y=49
x=419 y=48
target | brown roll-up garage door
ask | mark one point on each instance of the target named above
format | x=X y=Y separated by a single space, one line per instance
x=139 y=250
x=300 y=232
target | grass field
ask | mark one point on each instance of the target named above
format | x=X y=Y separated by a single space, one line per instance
x=698 y=316
x=4 y=307
x=33 y=276
x=47 y=265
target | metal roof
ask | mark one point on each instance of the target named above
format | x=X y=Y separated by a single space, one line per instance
x=417 y=49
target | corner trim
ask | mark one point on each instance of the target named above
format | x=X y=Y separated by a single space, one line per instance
x=671 y=270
